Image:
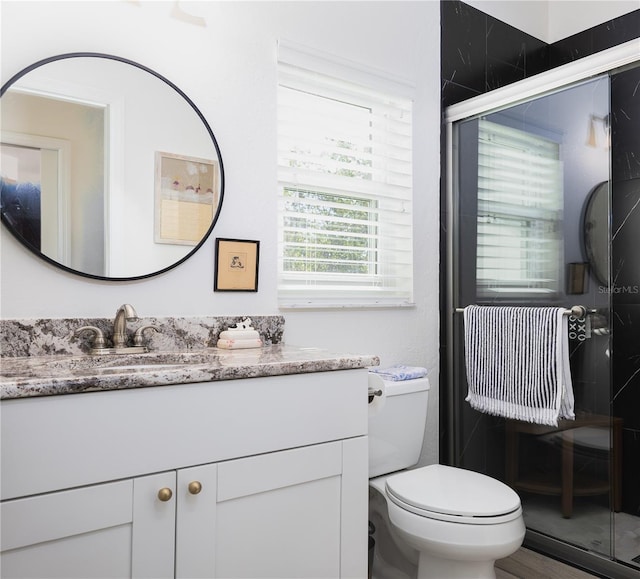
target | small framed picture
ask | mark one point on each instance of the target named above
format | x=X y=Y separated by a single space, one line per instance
x=236 y=265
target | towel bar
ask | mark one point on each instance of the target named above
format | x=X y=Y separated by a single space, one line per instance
x=577 y=311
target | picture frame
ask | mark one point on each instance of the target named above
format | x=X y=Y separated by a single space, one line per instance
x=236 y=267
x=187 y=193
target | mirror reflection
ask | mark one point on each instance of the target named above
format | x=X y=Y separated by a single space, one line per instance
x=596 y=232
x=108 y=170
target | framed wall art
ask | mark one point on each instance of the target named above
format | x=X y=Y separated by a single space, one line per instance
x=187 y=196
x=236 y=267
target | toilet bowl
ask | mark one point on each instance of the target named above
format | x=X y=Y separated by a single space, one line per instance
x=458 y=521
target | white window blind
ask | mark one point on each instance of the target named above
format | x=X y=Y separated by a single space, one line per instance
x=520 y=202
x=344 y=184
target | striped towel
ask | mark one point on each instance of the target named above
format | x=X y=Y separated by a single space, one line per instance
x=517 y=362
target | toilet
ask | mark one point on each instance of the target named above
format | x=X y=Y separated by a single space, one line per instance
x=456 y=522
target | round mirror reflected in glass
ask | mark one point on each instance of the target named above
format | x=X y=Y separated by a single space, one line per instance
x=108 y=169
x=596 y=232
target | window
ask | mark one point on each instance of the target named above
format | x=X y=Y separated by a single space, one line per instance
x=520 y=202
x=344 y=185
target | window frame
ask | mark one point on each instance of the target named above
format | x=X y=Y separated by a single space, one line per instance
x=342 y=289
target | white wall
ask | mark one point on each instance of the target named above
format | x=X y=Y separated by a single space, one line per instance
x=531 y=16
x=568 y=17
x=553 y=20
x=228 y=69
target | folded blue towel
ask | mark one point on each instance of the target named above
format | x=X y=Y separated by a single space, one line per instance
x=400 y=372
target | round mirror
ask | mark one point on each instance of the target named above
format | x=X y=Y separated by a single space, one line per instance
x=108 y=169
x=596 y=232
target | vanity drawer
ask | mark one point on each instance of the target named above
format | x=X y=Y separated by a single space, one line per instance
x=58 y=442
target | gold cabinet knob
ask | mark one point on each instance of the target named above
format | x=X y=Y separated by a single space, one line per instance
x=165 y=494
x=195 y=487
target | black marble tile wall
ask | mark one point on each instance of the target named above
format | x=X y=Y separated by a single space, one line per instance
x=601 y=37
x=626 y=397
x=480 y=53
x=631 y=476
x=625 y=271
x=625 y=241
x=626 y=370
x=625 y=124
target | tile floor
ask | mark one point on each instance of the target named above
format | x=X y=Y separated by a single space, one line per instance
x=589 y=527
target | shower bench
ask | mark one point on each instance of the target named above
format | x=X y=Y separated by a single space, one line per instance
x=590 y=431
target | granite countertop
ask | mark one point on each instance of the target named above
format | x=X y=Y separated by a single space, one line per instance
x=30 y=376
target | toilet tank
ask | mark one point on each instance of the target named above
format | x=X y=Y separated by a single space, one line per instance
x=396 y=423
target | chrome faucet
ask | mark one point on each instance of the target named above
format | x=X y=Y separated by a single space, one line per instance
x=125 y=312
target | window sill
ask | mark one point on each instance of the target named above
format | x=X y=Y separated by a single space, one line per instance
x=344 y=306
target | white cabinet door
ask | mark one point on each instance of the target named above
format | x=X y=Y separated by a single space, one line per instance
x=354 y=514
x=92 y=532
x=279 y=514
x=154 y=526
x=275 y=515
x=196 y=522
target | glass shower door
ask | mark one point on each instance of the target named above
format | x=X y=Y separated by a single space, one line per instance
x=533 y=200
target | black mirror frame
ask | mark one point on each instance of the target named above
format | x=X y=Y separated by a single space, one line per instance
x=599 y=271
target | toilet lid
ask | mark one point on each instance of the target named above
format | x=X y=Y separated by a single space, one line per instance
x=453 y=491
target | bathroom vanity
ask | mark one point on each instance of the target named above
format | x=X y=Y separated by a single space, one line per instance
x=259 y=470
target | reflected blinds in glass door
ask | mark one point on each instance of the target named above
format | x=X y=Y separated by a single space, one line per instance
x=520 y=202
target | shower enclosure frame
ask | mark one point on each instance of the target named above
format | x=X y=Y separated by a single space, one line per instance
x=544 y=83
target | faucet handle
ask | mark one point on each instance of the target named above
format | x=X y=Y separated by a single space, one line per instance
x=137 y=337
x=99 y=342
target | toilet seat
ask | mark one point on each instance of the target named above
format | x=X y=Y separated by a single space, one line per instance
x=453 y=494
